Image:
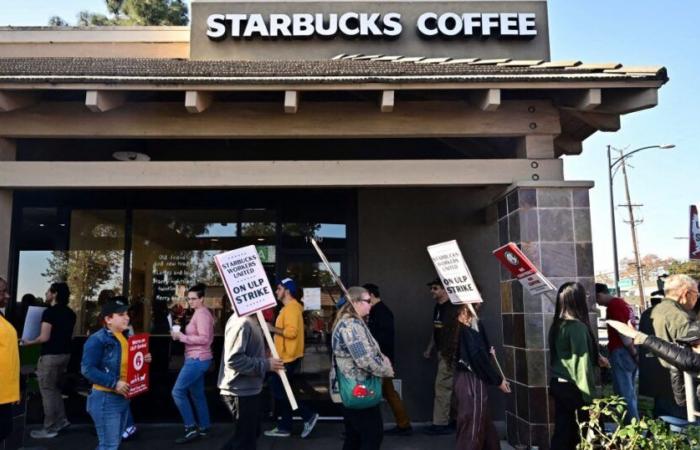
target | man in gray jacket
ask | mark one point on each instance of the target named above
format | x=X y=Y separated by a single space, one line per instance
x=243 y=367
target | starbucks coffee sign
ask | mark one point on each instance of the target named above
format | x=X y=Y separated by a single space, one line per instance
x=304 y=30
x=363 y=24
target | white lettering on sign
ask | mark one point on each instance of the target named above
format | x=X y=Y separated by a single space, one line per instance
x=360 y=24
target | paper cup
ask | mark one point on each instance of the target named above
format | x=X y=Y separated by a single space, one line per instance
x=176 y=328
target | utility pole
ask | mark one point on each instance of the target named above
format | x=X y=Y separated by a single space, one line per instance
x=635 y=244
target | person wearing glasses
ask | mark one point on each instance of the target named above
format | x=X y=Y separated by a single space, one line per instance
x=198 y=336
x=444 y=325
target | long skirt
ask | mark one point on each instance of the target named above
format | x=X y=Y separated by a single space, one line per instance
x=475 y=430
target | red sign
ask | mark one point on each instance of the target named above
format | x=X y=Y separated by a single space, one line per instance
x=515 y=261
x=137 y=370
x=694 y=251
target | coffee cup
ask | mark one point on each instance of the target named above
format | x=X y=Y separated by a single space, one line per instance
x=176 y=328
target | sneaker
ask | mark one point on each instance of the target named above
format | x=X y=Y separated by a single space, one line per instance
x=276 y=432
x=437 y=430
x=62 y=427
x=128 y=433
x=191 y=433
x=399 y=431
x=204 y=432
x=43 y=434
x=309 y=426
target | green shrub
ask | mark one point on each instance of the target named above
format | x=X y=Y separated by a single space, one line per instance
x=645 y=433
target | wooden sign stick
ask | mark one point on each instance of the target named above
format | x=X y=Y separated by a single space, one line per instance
x=273 y=351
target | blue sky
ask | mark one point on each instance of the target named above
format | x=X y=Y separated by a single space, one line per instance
x=643 y=32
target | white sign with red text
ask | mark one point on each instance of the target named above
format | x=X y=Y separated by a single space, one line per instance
x=454 y=273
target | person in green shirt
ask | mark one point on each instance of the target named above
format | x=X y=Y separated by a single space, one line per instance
x=573 y=352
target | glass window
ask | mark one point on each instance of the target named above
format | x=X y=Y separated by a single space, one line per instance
x=174 y=249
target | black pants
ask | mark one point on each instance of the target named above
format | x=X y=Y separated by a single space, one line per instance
x=567 y=403
x=5 y=421
x=246 y=414
x=364 y=429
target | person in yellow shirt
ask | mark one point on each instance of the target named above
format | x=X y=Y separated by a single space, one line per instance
x=9 y=368
x=289 y=342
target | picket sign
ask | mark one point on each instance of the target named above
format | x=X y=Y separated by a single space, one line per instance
x=457 y=279
x=694 y=234
x=250 y=292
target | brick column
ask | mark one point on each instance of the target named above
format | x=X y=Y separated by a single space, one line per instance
x=551 y=223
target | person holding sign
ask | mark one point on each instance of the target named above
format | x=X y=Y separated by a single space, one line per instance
x=105 y=365
x=474 y=372
x=360 y=367
x=241 y=374
x=289 y=342
x=57 y=323
x=444 y=324
x=197 y=338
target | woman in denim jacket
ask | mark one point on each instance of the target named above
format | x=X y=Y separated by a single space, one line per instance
x=104 y=364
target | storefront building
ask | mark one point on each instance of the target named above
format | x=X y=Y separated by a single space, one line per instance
x=129 y=157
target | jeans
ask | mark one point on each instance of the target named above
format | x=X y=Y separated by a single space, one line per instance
x=191 y=380
x=624 y=374
x=129 y=419
x=49 y=370
x=364 y=429
x=284 y=409
x=245 y=412
x=108 y=410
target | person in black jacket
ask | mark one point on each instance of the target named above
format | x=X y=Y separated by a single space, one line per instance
x=475 y=429
x=684 y=357
x=381 y=325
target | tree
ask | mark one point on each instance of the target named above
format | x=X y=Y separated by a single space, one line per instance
x=690 y=267
x=133 y=12
x=56 y=21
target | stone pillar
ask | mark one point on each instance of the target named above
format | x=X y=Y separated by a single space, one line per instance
x=551 y=223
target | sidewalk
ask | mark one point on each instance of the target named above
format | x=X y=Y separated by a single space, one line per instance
x=326 y=436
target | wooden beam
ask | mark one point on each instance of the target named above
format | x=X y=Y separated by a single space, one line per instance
x=597 y=120
x=222 y=174
x=231 y=120
x=387 y=102
x=624 y=101
x=567 y=145
x=198 y=101
x=103 y=101
x=581 y=100
x=11 y=101
x=486 y=99
x=536 y=146
x=291 y=102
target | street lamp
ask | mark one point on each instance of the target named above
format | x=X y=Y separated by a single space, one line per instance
x=611 y=165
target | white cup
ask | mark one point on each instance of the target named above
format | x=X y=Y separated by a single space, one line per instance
x=176 y=328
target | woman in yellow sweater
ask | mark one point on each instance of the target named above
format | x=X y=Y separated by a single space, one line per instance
x=9 y=369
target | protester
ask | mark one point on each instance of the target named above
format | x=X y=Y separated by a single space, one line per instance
x=57 y=323
x=241 y=374
x=475 y=429
x=198 y=336
x=684 y=358
x=621 y=350
x=444 y=326
x=104 y=363
x=573 y=351
x=289 y=342
x=381 y=325
x=654 y=379
x=358 y=359
x=9 y=368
